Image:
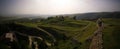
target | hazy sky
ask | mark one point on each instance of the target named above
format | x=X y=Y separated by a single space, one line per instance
x=57 y=6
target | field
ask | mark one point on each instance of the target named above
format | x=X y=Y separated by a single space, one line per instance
x=111 y=32
x=59 y=33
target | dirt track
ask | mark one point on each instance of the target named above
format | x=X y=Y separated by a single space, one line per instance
x=97 y=40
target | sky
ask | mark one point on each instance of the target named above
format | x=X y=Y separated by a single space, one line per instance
x=54 y=7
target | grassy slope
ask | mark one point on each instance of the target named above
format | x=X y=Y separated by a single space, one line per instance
x=72 y=28
x=111 y=34
x=46 y=35
x=78 y=29
x=86 y=28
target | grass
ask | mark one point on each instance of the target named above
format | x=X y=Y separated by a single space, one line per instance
x=83 y=29
x=111 y=32
x=87 y=32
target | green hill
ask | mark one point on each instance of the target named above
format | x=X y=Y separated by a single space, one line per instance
x=60 y=32
x=111 y=32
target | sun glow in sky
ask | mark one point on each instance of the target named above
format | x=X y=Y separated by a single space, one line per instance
x=50 y=7
x=44 y=7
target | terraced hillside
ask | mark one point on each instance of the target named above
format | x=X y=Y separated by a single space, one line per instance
x=58 y=33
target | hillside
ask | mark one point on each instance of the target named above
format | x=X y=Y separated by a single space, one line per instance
x=78 y=32
x=111 y=34
x=98 y=15
x=73 y=33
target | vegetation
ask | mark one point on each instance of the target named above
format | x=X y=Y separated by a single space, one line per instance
x=111 y=33
x=60 y=32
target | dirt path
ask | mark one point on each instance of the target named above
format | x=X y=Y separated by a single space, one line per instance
x=97 y=39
